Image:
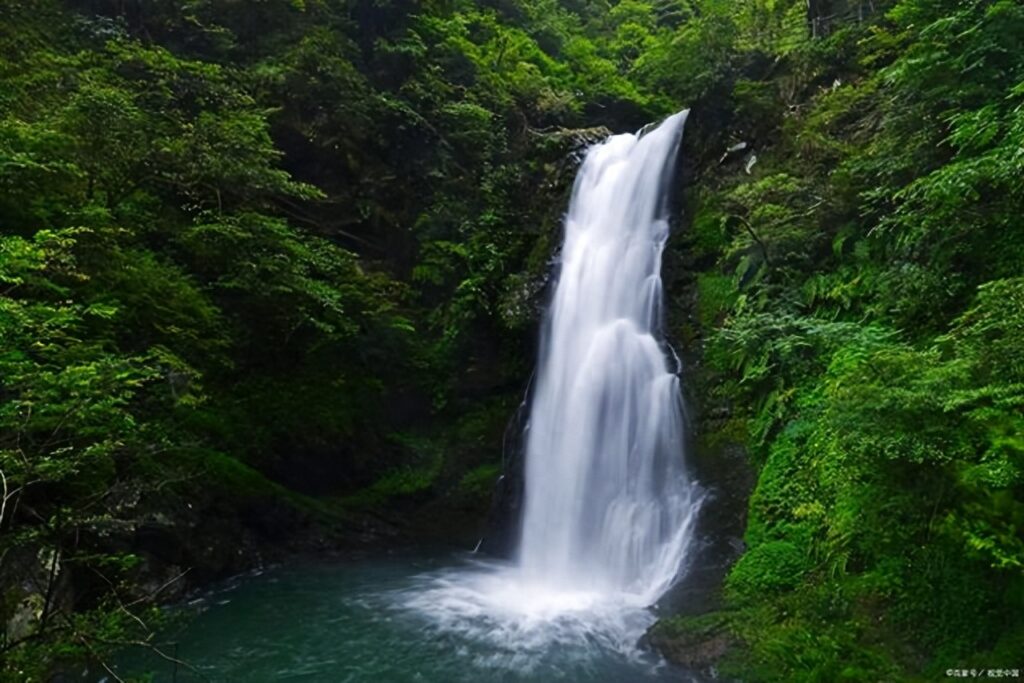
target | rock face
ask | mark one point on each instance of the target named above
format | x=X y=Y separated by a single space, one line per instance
x=505 y=517
x=35 y=587
x=25 y=617
x=698 y=645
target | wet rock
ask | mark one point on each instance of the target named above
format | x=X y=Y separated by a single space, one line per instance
x=522 y=302
x=505 y=517
x=34 y=584
x=25 y=617
x=697 y=651
x=160 y=582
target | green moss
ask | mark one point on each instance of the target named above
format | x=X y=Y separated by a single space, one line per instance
x=715 y=295
x=786 y=487
x=398 y=483
x=239 y=483
x=234 y=478
x=692 y=625
x=709 y=232
x=479 y=482
x=730 y=432
x=770 y=567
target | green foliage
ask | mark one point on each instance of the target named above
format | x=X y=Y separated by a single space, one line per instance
x=399 y=483
x=479 y=482
x=148 y=278
x=716 y=294
x=240 y=239
x=767 y=568
x=873 y=346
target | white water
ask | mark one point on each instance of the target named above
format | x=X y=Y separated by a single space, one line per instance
x=608 y=506
x=609 y=509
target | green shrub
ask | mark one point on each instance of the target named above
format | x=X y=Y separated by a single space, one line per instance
x=767 y=568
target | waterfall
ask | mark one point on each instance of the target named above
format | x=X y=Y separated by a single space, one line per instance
x=609 y=509
x=608 y=504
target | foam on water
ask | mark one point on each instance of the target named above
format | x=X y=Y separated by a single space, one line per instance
x=515 y=624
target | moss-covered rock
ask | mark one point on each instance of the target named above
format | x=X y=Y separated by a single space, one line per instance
x=699 y=643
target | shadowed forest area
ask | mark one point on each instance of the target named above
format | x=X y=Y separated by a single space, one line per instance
x=271 y=274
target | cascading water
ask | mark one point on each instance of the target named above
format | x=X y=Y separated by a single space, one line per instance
x=609 y=508
x=608 y=505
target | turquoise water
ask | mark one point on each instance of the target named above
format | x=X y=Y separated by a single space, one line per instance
x=403 y=619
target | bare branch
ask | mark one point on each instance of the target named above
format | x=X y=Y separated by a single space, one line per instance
x=750 y=229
